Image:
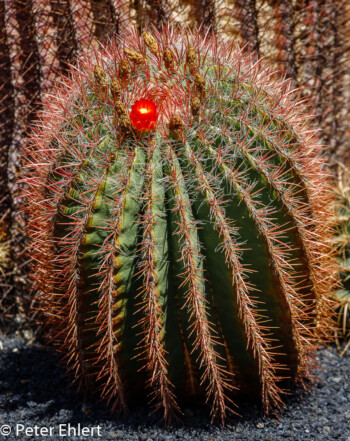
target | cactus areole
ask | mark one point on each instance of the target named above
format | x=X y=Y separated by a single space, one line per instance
x=179 y=219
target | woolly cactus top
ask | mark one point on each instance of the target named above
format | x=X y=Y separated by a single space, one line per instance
x=180 y=221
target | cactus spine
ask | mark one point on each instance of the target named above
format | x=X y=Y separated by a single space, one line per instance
x=190 y=259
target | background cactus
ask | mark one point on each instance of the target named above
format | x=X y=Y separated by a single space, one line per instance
x=307 y=39
x=342 y=241
x=192 y=251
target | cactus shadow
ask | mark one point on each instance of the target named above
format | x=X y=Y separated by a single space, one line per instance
x=32 y=382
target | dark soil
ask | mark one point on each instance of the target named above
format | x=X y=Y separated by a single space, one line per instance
x=34 y=395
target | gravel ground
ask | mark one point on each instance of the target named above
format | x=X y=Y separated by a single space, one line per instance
x=35 y=396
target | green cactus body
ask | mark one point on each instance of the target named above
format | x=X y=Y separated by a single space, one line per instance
x=342 y=242
x=190 y=259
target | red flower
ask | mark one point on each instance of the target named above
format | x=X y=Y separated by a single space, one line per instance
x=144 y=115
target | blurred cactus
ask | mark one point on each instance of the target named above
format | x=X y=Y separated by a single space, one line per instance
x=6 y=131
x=342 y=241
x=180 y=223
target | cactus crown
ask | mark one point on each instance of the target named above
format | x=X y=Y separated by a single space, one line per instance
x=189 y=256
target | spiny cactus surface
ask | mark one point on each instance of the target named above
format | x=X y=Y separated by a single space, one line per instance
x=308 y=39
x=180 y=225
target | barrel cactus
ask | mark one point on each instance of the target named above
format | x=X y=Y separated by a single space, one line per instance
x=180 y=221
